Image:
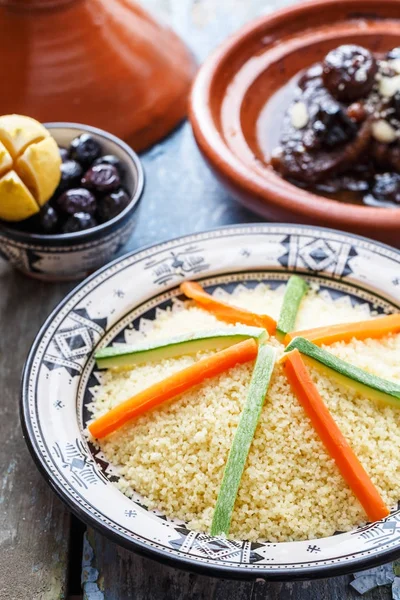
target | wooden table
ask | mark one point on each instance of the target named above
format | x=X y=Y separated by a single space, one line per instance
x=41 y=544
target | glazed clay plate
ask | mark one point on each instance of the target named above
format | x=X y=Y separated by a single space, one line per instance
x=240 y=96
x=60 y=374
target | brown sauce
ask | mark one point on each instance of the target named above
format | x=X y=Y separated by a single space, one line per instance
x=338 y=151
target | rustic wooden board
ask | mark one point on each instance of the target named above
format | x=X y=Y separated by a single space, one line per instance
x=34 y=525
x=181 y=197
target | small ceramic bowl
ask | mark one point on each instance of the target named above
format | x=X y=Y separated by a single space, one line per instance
x=236 y=83
x=75 y=255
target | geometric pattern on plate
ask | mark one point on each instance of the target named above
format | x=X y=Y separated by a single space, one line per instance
x=73 y=343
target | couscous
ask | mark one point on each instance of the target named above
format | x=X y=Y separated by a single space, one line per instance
x=291 y=488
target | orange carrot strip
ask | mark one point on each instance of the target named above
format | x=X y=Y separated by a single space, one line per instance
x=336 y=444
x=173 y=386
x=345 y=332
x=224 y=311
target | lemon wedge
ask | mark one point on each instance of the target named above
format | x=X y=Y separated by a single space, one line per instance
x=6 y=161
x=18 y=131
x=39 y=168
x=29 y=167
x=16 y=201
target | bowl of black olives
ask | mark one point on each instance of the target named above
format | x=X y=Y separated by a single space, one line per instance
x=90 y=216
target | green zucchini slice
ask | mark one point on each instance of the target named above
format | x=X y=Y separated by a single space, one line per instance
x=352 y=377
x=242 y=441
x=295 y=290
x=217 y=339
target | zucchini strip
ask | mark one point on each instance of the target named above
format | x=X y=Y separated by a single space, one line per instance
x=296 y=288
x=352 y=377
x=242 y=441
x=217 y=339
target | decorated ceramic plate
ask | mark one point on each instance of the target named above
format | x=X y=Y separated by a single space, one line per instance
x=119 y=303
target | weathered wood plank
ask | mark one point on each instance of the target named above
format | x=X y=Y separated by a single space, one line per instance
x=125 y=575
x=34 y=525
x=324 y=589
x=113 y=573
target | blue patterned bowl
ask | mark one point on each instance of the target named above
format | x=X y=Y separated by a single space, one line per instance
x=76 y=255
x=60 y=373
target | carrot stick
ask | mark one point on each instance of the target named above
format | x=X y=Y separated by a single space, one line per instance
x=336 y=444
x=345 y=332
x=224 y=311
x=173 y=386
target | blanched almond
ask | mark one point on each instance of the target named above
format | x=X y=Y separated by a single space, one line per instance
x=383 y=131
x=299 y=115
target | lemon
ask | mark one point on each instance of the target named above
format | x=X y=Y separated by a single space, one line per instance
x=18 y=131
x=6 y=161
x=29 y=167
x=39 y=168
x=16 y=201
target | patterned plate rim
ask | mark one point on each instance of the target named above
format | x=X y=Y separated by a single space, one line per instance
x=146 y=549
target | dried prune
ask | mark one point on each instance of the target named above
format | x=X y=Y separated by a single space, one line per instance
x=349 y=72
x=386 y=156
x=396 y=104
x=386 y=188
x=310 y=75
x=332 y=126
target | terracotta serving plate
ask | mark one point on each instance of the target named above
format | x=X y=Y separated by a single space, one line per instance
x=236 y=106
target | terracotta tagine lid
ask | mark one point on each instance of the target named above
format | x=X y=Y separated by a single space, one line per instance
x=105 y=63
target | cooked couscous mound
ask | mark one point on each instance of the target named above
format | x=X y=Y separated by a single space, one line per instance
x=291 y=489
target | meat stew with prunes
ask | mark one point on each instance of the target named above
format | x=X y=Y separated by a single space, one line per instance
x=340 y=136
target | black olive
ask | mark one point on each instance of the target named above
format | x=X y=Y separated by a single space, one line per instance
x=102 y=178
x=110 y=206
x=386 y=188
x=63 y=153
x=77 y=200
x=349 y=72
x=332 y=126
x=71 y=173
x=79 y=222
x=85 y=149
x=48 y=219
x=110 y=159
